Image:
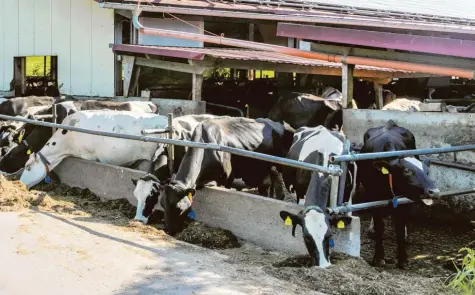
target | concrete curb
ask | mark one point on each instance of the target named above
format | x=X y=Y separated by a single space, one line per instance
x=250 y=217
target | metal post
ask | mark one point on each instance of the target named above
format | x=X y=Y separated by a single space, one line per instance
x=54 y=117
x=171 y=148
x=344 y=168
x=334 y=191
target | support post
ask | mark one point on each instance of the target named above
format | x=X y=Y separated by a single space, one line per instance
x=250 y=72
x=347 y=84
x=171 y=147
x=54 y=118
x=135 y=81
x=197 y=84
x=129 y=62
x=378 y=91
x=334 y=191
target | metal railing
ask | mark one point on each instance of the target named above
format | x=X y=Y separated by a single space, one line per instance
x=403 y=153
x=331 y=170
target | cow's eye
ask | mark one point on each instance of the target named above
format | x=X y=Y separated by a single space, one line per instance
x=407 y=171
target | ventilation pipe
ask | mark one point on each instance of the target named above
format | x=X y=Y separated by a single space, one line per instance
x=404 y=66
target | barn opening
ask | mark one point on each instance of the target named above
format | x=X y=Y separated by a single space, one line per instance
x=36 y=75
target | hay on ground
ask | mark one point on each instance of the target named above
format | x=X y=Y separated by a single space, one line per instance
x=213 y=238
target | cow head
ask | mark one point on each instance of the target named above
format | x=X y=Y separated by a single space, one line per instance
x=410 y=178
x=15 y=158
x=316 y=229
x=147 y=192
x=176 y=201
x=36 y=169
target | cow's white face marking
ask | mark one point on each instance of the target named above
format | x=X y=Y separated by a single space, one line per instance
x=317 y=228
x=34 y=172
x=141 y=192
x=415 y=162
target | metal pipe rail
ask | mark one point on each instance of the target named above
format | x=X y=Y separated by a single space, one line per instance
x=259 y=156
x=404 y=153
x=155 y=131
x=401 y=201
x=41 y=117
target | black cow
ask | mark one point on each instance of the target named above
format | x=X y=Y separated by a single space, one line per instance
x=200 y=166
x=299 y=109
x=34 y=138
x=314 y=145
x=409 y=179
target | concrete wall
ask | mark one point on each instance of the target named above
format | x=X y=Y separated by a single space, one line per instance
x=249 y=217
x=77 y=31
x=431 y=130
x=179 y=107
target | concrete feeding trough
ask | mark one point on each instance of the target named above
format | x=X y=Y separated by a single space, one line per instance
x=252 y=218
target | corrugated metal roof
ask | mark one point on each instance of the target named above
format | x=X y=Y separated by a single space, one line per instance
x=236 y=54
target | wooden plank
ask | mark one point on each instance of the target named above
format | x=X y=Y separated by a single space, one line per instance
x=378 y=90
x=429 y=59
x=128 y=62
x=102 y=59
x=172 y=66
x=43 y=27
x=418 y=43
x=134 y=86
x=10 y=45
x=26 y=23
x=61 y=42
x=197 y=86
x=347 y=84
x=302 y=69
x=81 y=55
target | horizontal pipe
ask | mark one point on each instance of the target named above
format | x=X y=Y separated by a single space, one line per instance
x=452 y=165
x=401 y=201
x=193 y=144
x=404 y=66
x=404 y=153
x=304 y=18
x=226 y=107
x=155 y=131
x=449 y=100
x=40 y=117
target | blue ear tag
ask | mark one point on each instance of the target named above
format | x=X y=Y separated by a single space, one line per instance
x=47 y=179
x=331 y=243
x=395 y=202
x=192 y=215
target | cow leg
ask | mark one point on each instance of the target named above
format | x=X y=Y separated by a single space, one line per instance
x=400 y=219
x=378 y=258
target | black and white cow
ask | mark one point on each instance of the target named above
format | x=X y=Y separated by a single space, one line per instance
x=314 y=145
x=109 y=150
x=200 y=166
x=18 y=106
x=385 y=179
x=34 y=139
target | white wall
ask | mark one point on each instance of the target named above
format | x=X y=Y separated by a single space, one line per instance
x=77 y=31
x=170 y=24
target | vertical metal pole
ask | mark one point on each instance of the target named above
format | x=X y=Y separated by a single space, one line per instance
x=171 y=148
x=347 y=84
x=344 y=167
x=334 y=190
x=54 y=118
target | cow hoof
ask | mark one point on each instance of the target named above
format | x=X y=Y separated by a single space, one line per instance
x=402 y=265
x=378 y=262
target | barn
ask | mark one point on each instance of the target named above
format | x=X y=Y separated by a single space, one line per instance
x=87 y=48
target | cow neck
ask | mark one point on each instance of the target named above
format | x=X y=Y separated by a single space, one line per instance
x=190 y=167
x=45 y=161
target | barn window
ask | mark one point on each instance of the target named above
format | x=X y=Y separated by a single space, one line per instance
x=36 y=75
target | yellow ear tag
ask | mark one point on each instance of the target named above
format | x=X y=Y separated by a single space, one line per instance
x=340 y=224
x=190 y=197
x=384 y=171
x=288 y=221
x=28 y=152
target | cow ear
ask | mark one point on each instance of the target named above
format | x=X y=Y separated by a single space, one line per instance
x=291 y=219
x=190 y=190
x=382 y=166
x=335 y=219
x=134 y=181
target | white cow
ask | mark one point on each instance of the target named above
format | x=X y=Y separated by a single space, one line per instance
x=115 y=151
